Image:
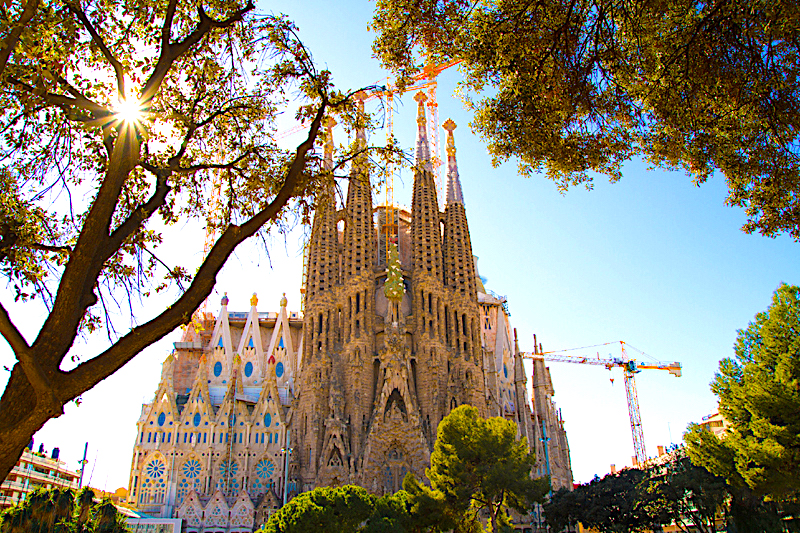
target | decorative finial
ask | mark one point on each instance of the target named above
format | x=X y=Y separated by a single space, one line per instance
x=225 y=300
x=361 y=135
x=454 y=194
x=450 y=147
x=284 y=301
x=423 y=151
x=421 y=98
x=330 y=122
x=254 y=300
x=237 y=359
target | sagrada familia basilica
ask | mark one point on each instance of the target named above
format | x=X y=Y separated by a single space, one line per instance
x=398 y=329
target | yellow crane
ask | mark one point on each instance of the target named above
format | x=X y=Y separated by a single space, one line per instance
x=630 y=367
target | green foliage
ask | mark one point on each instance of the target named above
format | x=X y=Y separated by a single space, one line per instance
x=340 y=509
x=61 y=511
x=479 y=466
x=759 y=396
x=575 y=87
x=680 y=492
x=675 y=492
x=428 y=508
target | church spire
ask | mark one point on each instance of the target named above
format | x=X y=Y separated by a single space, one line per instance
x=453 y=181
x=359 y=232
x=423 y=151
x=459 y=266
x=426 y=237
x=323 y=266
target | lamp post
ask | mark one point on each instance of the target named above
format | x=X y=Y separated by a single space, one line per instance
x=286 y=452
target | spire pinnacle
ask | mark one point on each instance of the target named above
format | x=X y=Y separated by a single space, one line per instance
x=454 y=194
x=423 y=150
x=330 y=122
x=361 y=135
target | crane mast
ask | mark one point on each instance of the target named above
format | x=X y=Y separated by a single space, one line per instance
x=630 y=367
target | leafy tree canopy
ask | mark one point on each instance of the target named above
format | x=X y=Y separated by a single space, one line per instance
x=675 y=492
x=573 y=87
x=340 y=509
x=479 y=466
x=119 y=118
x=759 y=396
x=681 y=493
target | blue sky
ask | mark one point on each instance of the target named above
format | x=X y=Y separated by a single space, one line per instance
x=652 y=260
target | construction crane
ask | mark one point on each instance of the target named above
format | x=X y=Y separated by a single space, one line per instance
x=630 y=367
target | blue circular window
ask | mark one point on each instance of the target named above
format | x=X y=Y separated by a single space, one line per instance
x=505 y=370
x=267 y=420
x=196 y=419
x=265 y=468
x=217 y=368
x=192 y=468
x=248 y=369
x=161 y=419
x=279 y=369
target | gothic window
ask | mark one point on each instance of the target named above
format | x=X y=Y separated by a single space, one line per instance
x=265 y=469
x=183 y=490
x=335 y=458
x=191 y=468
x=154 y=485
x=228 y=482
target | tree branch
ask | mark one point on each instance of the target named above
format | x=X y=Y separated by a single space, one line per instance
x=10 y=42
x=138 y=216
x=11 y=334
x=171 y=51
x=47 y=402
x=93 y=371
x=113 y=61
x=64 y=101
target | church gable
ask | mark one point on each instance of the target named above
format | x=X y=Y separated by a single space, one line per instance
x=199 y=400
x=281 y=356
x=269 y=423
x=242 y=514
x=191 y=511
x=161 y=416
x=266 y=507
x=221 y=348
x=216 y=513
x=250 y=348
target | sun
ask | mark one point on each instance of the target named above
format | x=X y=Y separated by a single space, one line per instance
x=129 y=110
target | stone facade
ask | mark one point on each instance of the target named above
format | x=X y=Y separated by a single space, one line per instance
x=398 y=330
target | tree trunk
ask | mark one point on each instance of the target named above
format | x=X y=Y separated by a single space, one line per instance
x=19 y=419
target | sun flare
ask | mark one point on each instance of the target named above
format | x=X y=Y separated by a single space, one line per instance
x=130 y=110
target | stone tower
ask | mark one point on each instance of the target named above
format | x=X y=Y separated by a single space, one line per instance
x=382 y=366
x=398 y=330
